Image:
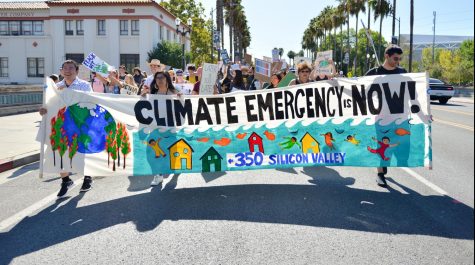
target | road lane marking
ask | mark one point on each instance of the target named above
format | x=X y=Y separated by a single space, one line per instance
x=16 y=218
x=454 y=111
x=425 y=181
x=466 y=127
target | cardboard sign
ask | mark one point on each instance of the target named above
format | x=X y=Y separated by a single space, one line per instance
x=263 y=70
x=208 y=78
x=96 y=64
x=276 y=67
x=248 y=58
x=267 y=59
x=322 y=63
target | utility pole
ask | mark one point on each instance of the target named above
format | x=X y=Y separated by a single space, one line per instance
x=433 y=40
x=394 y=18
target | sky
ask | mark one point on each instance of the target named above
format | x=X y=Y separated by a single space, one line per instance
x=279 y=23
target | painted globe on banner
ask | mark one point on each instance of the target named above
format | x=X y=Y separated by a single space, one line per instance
x=91 y=123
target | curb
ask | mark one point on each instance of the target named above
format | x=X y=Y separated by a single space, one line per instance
x=20 y=160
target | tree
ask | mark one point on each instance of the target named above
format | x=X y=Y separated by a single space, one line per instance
x=291 y=55
x=281 y=52
x=201 y=45
x=168 y=53
x=383 y=8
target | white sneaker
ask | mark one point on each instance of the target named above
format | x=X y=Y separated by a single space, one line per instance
x=157 y=179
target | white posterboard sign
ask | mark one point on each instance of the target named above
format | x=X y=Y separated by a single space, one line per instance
x=322 y=63
x=84 y=73
x=275 y=55
x=184 y=88
x=208 y=78
x=129 y=90
x=299 y=59
x=96 y=64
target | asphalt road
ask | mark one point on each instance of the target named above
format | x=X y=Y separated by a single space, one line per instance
x=300 y=216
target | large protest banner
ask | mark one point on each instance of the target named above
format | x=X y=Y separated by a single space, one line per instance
x=367 y=122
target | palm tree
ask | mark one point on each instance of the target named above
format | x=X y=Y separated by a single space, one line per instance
x=347 y=6
x=411 y=40
x=358 y=6
x=383 y=8
x=291 y=55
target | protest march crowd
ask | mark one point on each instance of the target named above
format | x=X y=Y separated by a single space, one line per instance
x=230 y=78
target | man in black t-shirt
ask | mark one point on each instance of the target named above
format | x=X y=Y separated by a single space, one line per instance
x=392 y=57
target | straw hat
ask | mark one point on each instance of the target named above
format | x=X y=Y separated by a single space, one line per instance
x=155 y=62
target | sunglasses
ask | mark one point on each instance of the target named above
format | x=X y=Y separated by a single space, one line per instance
x=160 y=77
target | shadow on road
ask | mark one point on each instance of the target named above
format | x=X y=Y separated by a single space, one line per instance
x=330 y=203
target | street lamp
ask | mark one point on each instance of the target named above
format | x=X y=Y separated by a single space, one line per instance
x=399 y=30
x=183 y=33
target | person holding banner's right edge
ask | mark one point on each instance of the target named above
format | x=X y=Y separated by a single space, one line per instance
x=392 y=57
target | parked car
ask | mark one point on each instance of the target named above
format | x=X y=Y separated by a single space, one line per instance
x=439 y=90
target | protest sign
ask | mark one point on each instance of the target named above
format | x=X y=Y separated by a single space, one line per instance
x=275 y=55
x=129 y=90
x=84 y=73
x=208 y=78
x=224 y=56
x=276 y=67
x=185 y=88
x=263 y=70
x=372 y=121
x=322 y=63
x=298 y=60
x=267 y=59
x=96 y=64
x=287 y=79
x=248 y=58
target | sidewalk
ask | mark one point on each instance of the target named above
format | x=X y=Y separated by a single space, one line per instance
x=18 y=143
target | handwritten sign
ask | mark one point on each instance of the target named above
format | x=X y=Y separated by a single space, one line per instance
x=322 y=63
x=96 y=64
x=208 y=78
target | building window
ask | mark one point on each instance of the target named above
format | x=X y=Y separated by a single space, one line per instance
x=130 y=61
x=124 y=27
x=68 y=26
x=3 y=67
x=26 y=27
x=4 y=28
x=168 y=35
x=135 y=27
x=37 y=27
x=14 y=28
x=79 y=28
x=160 y=33
x=77 y=57
x=36 y=67
x=101 y=27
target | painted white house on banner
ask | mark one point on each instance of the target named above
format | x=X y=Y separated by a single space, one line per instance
x=36 y=37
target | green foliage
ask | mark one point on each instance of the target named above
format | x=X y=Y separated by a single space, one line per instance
x=168 y=53
x=451 y=66
x=201 y=30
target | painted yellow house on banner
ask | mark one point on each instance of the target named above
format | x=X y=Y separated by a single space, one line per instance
x=181 y=156
x=310 y=144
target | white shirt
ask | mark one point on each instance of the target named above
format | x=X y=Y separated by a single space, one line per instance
x=77 y=84
x=149 y=80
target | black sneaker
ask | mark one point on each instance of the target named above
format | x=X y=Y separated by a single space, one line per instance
x=86 y=185
x=64 y=188
x=381 y=180
x=385 y=170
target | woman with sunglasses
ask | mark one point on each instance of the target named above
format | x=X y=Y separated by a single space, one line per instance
x=303 y=71
x=161 y=85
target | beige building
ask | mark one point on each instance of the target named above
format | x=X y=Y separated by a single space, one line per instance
x=36 y=37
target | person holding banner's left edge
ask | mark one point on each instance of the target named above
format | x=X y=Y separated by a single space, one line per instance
x=69 y=71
